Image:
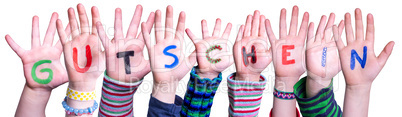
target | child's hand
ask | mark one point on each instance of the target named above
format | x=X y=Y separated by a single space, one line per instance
x=322 y=55
x=168 y=62
x=251 y=52
x=83 y=56
x=124 y=58
x=288 y=51
x=42 y=67
x=360 y=65
x=212 y=52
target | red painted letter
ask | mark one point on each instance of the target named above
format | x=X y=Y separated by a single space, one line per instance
x=89 y=60
x=285 y=54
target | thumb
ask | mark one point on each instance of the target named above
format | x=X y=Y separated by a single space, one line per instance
x=386 y=52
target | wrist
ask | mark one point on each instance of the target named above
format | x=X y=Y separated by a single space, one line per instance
x=247 y=77
x=285 y=83
x=82 y=86
x=165 y=91
x=359 y=88
x=314 y=86
x=206 y=74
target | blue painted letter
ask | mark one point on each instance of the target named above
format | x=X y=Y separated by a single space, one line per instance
x=354 y=55
x=324 y=57
x=176 y=60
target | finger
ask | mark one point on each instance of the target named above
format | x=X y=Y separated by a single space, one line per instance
x=270 y=33
x=386 y=52
x=62 y=32
x=217 y=28
x=118 y=28
x=341 y=26
x=14 y=46
x=204 y=28
x=247 y=27
x=73 y=22
x=359 y=25
x=102 y=35
x=149 y=24
x=282 y=24
x=82 y=14
x=349 y=29
x=294 y=21
x=370 y=28
x=95 y=18
x=192 y=36
x=67 y=31
x=135 y=23
x=158 y=27
x=226 y=33
x=304 y=25
x=262 y=31
x=310 y=35
x=51 y=30
x=169 y=23
x=192 y=58
x=146 y=37
x=240 y=33
x=337 y=37
x=254 y=23
x=328 y=28
x=35 y=33
x=181 y=26
x=320 y=29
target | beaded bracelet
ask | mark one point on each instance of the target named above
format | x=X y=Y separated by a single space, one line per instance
x=78 y=112
x=284 y=95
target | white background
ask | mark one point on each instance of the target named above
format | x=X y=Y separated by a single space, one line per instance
x=16 y=19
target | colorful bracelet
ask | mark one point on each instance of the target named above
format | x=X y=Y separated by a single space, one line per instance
x=78 y=112
x=284 y=95
x=81 y=96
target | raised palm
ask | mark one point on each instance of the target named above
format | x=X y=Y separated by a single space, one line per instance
x=321 y=54
x=218 y=58
x=116 y=67
x=165 y=68
x=89 y=59
x=288 y=51
x=366 y=71
x=42 y=67
x=252 y=40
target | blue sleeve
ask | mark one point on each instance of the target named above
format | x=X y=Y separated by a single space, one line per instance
x=160 y=109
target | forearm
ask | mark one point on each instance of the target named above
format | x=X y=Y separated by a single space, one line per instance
x=284 y=107
x=357 y=100
x=32 y=102
x=200 y=93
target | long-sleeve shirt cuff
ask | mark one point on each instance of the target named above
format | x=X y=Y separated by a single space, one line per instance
x=245 y=96
x=321 y=105
x=199 y=95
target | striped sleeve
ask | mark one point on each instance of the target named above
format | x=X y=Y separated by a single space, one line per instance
x=199 y=95
x=117 y=98
x=245 y=96
x=321 y=105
